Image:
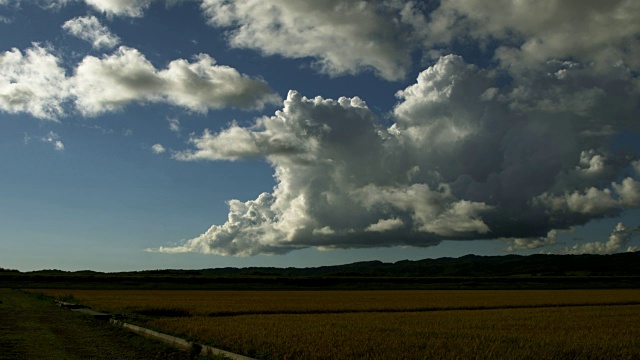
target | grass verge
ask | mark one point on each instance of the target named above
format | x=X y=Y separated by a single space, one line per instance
x=34 y=327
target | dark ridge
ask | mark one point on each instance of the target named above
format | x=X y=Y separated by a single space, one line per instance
x=467 y=272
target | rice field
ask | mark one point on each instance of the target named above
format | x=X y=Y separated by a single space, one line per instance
x=221 y=303
x=447 y=324
x=539 y=333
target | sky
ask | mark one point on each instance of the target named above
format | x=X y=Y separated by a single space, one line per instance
x=155 y=134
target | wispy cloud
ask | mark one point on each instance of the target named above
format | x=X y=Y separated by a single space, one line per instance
x=50 y=138
x=174 y=125
x=90 y=29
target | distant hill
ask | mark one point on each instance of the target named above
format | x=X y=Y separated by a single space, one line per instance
x=466 y=272
x=623 y=264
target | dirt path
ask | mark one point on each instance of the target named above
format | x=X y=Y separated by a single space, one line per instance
x=34 y=328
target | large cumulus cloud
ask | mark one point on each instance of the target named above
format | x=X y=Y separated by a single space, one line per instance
x=462 y=160
x=338 y=178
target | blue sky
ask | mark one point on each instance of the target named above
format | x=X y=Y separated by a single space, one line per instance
x=155 y=134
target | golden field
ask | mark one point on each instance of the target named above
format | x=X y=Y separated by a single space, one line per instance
x=426 y=324
x=203 y=302
x=542 y=333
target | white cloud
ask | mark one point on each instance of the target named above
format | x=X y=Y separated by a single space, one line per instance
x=32 y=82
x=594 y=201
x=111 y=82
x=203 y=85
x=532 y=243
x=36 y=84
x=348 y=36
x=385 y=225
x=619 y=239
x=131 y=8
x=174 y=125
x=344 y=37
x=53 y=139
x=90 y=29
x=124 y=8
x=531 y=32
x=158 y=149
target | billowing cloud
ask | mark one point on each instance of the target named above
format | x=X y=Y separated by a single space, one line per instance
x=329 y=158
x=33 y=82
x=111 y=82
x=344 y=37
x=516 y=146
x=618 y=241
x=90 y=29
x=467 y=157
x=596 y=201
